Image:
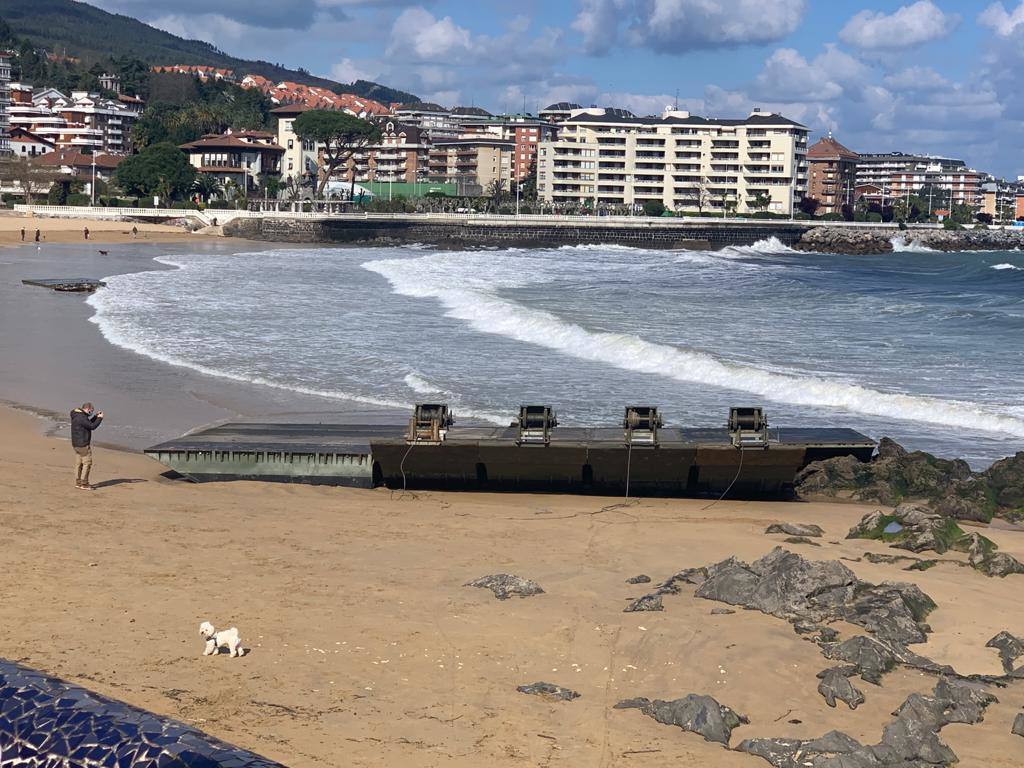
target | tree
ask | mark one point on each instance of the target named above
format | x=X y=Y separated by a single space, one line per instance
x=207 y=186
x=161 y=169
x=271 y=184
x=759 y=202
x=341 y=136
x=653 y=208
x=810 y=205
x=26 y=173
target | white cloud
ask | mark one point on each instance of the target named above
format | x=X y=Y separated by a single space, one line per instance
x=418 y=34
x=675 y=26
x=348 y=71
x=908 y=26
x=996 y=18
x=916 y=79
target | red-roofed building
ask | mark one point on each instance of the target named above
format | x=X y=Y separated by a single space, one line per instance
x=240 y=157
x=832 y=174
x=201 y=71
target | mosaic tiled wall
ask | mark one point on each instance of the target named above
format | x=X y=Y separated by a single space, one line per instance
x=47 y=723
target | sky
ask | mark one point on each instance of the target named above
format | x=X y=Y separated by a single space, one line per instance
x=932 y=76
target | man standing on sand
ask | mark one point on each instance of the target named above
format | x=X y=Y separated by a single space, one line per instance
x=83 y=421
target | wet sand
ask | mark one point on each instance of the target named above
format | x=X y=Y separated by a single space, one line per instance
x=367 y=650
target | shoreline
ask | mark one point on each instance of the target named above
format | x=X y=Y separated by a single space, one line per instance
x=63 y=359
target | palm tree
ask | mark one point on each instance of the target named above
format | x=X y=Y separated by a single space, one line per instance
x=206 y=186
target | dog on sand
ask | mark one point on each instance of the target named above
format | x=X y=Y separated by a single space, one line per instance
x=225 y=638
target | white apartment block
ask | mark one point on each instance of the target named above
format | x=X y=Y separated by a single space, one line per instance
x=688 y=163
x=83 y=120
x=5 y=103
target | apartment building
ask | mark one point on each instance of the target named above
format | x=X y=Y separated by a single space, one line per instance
x=301 y=157
x=832 y=174
x=82 y=120
x=5 y=103
x=401 y=156
x=241 y=157
x=27 y=144
x=610 y=158
x=474 y=165
x=559 y=112
x=999 y=197
x=895 y=174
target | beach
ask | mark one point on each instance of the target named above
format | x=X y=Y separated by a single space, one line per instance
x=366 y=647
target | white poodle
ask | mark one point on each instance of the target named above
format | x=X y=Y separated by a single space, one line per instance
x=225 y=638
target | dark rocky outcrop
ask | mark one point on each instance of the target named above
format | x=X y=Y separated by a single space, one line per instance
x=870 y=657
x=1018 y=725
x=646 y=603
x=693 y=712
x=845 y=240
x=910 y=740
x=896 y=475
x=947 y=487
x=809 y=592
x=796 y=529
x=918 y=529
x=643 y=578
x=505 y=585
x=549 y=691
x=835 y=684
x=872 y=240
x=1010 y=649
x=801 y=540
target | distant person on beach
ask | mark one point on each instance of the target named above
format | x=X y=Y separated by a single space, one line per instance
x=83 y=421
x=86 y=233
x=135 y=231
x=23 y=234
x=37 y=235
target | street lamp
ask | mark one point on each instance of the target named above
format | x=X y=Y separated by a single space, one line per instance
x=92 y=187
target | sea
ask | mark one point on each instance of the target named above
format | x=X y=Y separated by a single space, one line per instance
x=922 y=346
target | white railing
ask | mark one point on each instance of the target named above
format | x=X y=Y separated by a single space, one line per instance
x=223 y=216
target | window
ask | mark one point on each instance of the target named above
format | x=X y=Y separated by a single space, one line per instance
x=291 y=143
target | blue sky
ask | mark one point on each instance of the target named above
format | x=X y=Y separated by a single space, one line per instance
x=937 y=76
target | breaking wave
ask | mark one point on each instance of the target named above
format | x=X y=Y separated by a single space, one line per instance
x=421 y=386
x=902 y=245
x=1006 y=266
x=469 y=299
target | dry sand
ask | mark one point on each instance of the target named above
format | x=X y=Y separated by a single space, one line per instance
x=368 y=651
x=61 y=230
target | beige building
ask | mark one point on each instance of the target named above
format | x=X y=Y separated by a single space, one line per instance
x=474 y=165
x=688 y=163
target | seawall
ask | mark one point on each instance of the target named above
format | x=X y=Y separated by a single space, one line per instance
x=468 y=232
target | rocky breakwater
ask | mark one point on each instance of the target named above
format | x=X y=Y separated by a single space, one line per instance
x=852 y=240
x=895 y=475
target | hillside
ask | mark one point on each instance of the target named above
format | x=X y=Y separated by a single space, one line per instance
x=94 y=35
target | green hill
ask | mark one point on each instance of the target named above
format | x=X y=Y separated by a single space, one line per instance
x=94 y=35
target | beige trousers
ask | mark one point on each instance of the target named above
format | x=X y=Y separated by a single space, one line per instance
x=83 y=465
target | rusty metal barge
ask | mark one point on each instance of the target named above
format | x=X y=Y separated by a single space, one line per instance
x=746 y=457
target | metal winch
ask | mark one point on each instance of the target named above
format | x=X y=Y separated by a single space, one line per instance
x=535 y=424
x=429 y=423
x=641 y=424
x=748 y=427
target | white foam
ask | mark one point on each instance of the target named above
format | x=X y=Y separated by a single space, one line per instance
x=418 y=384
x=444 y=277
x=1004 y=266
x=902 y=245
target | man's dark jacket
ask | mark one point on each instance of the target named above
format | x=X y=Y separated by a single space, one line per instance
x=82 y=425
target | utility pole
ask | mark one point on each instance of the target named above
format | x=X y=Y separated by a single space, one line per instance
x=92 y=188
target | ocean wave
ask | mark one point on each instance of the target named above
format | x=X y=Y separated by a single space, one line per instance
x=1005 y=266
x=487 y=312
x=107 y=301
x=420 y=385
x=769 y=246
x=902 y=245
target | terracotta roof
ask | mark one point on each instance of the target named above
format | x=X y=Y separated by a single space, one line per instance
x=828 y=147
x=290 y=109
x=75 y=158
x=230 y=142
